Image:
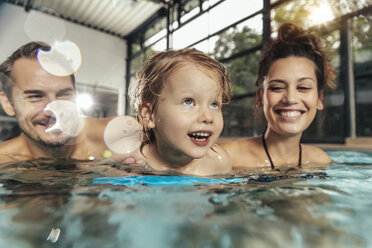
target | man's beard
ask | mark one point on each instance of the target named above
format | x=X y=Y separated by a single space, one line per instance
x=41 y=142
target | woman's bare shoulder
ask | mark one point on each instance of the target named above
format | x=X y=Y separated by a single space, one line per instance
x=244 y=152
x=238 y=145
x=315 y=155
x=98 y=122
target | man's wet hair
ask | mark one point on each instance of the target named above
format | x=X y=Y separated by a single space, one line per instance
x=29 y=50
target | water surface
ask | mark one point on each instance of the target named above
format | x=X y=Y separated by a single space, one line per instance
x=326 y=207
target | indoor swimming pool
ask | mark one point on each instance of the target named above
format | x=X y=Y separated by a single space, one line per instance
x=61 y=204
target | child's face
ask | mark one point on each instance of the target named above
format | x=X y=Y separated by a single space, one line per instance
x=290 y=95
x=188 y=119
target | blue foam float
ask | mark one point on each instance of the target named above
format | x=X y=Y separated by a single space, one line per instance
x=164 y=180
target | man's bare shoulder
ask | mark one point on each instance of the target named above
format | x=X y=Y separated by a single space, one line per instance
x=98 y=122
x=13 y=150
x=95 y=127
x=12 y=145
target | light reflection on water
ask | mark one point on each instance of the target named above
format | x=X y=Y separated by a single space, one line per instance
x=315 y=208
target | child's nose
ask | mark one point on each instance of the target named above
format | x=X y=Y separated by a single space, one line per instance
x=205 y=115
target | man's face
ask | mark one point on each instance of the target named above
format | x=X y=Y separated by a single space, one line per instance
x=33 y=89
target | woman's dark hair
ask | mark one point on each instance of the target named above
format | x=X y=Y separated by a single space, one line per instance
x=294 y=41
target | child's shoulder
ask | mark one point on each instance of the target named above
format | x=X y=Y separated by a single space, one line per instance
x=216 y=162
x=221 y=157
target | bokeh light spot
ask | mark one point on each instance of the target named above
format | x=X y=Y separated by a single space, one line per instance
x=107 y=154
x=85 y=101
x=321 y=15
x=42 y=27
x=121 y=137
x=62 y=60
x=68 y=118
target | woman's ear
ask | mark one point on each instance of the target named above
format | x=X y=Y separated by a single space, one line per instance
x=6 y=104
x=259 y=103
x=147 y=115
x=320 y=104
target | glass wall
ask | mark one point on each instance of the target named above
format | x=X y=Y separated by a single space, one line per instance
x=362 y=63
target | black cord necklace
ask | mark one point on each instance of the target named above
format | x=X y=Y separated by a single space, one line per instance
x=268 y=154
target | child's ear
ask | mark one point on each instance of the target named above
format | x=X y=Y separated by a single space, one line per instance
x=147 y=115
x=259 y=103
x=6 y=104
x=320 y=104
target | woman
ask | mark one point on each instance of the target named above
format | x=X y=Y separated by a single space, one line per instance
x=292 y=74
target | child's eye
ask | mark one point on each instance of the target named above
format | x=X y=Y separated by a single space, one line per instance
x=188 y=102
x=215 y=105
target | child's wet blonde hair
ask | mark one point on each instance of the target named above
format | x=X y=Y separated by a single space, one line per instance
x=153 y=75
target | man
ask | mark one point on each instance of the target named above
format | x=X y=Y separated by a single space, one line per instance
x=26 y=90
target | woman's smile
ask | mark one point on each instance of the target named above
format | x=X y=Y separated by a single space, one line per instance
x=290 y=95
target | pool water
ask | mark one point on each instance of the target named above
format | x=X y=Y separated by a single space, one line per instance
x=61 y=204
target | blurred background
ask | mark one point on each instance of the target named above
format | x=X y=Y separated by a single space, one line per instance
x=115 y=37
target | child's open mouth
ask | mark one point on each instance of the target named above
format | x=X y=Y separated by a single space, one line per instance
x=200 y=138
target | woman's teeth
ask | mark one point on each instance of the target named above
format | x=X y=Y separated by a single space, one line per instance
x=290 y=113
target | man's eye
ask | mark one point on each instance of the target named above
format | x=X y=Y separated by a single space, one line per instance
x=34 y=97
x=65 y=96
x=188 y=102
x=215 y=105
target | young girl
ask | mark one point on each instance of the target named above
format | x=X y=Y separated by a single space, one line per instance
x=292 y=74
x=178 y=97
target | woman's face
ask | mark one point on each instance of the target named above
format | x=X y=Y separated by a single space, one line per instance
x=290 y=97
